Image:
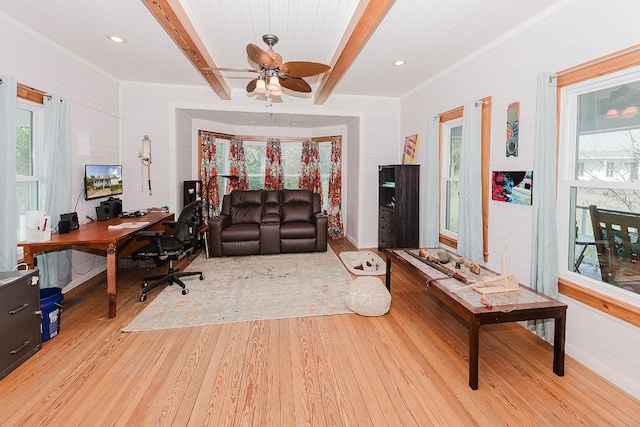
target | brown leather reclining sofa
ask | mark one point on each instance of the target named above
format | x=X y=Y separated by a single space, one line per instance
x=255 y=222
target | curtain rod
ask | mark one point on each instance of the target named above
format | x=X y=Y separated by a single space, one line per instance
x=260 y=138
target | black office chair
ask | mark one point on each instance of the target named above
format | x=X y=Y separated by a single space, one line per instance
x=162 y=249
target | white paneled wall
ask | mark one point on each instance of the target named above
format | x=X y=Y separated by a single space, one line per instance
x=580 y=31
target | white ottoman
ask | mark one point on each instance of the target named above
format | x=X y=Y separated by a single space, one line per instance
x=368 y=297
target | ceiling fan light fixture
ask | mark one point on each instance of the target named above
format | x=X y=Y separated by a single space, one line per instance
x=276 y=92
x=260 y=87
x=274 y=84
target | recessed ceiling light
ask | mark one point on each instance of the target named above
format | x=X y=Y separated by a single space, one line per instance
x=294 y=123
x=116 y=39
x=398 y=62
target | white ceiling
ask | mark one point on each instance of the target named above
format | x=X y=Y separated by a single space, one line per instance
x=432 y=36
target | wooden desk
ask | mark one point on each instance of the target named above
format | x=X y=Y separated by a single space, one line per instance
x=466 y=305
x=96 y=235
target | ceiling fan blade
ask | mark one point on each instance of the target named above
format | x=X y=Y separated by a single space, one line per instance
x=260 y=57
x=303 y=68
x=295 y=84
x=251 y=86
x=248 y=70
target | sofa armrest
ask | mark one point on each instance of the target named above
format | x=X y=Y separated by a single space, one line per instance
x=321 y=221
x=216 y=225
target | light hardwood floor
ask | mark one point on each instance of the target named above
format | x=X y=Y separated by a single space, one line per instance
x=407 y=368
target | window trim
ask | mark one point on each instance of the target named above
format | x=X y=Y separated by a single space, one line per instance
x=609 y=64
x=445 y=178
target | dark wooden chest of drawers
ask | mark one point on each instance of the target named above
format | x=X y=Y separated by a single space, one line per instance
x=20 y=318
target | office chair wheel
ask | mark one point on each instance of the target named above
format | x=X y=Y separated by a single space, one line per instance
x=202 y=277
x=144 y=285
x=185 y=291
x=143 y=297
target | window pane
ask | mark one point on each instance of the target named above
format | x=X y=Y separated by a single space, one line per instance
x=291 y=153
x=27 y=196
x=454 y=151
x=452 y=201
x=24 y=142
x=608 y=145
x=594 y=254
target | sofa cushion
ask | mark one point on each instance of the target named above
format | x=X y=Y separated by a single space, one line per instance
x=297 y=206
x=297 y=230
x=240 y=232
x=246 y=207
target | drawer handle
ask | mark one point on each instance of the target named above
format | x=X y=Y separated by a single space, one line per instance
x=26 y=343
x=22 y=307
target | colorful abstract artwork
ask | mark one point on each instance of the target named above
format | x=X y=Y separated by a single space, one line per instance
x=512 y=187
x=410 y=148
x=513 y=120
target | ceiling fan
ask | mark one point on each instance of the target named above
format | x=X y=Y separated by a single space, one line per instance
x=273 y=73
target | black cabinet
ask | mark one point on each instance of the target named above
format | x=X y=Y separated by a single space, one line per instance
x=20 y=322
x=398 y=209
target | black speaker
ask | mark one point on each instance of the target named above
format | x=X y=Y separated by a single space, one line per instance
x=109 y=209
x=72 y=218
x=64 y=226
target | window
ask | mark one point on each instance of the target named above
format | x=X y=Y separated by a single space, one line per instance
x=28 y=158
x=610 y=169
x=255 y=162
x=450 y=151
x=452 y=142
x=605 y=125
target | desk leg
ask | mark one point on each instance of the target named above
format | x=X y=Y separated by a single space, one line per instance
x=27 y=257
x=112 y=273
x=474 y=341
x=558 y=345
x=388 y=274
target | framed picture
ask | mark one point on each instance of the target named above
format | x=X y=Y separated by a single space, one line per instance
x=410 y=147
x=512 y=187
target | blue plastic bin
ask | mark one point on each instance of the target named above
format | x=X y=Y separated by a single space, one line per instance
x=50 y=299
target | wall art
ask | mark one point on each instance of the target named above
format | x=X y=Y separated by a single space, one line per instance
x=410 y=148
x=512 y=187
x=513 y=127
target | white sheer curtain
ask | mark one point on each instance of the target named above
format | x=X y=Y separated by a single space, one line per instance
x=431 y=227
x=9 y=205
x=470 y=211
x=55 y=185
x=544 y=251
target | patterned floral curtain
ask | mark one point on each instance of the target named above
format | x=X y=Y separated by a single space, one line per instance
x=273 y=173
x=209 y=175
x=334 y=205
x=237 y=166
x=310 y=167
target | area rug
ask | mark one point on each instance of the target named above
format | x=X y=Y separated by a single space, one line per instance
x=246 y=288
x=353 y=261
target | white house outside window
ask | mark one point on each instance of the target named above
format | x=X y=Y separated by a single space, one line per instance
x=600 y=151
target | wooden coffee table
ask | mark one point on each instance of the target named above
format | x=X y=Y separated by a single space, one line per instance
x=525 y=305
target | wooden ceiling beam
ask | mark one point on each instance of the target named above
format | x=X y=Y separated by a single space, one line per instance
x=174 y=20
x=366 y=19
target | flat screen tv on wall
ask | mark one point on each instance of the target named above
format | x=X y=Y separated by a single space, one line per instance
x=102 y=181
